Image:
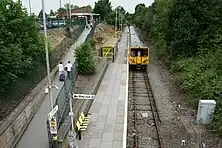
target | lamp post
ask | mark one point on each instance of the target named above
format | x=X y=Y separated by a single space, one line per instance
x=30 y=8
x=119 y=8
x=47 y=55
x=116 y=22
x=70 y=13
x=121 y=22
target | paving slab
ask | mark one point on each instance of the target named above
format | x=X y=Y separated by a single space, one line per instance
x=106 y=127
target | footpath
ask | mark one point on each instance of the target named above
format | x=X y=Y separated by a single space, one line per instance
x=108 y=119
x=36 y=135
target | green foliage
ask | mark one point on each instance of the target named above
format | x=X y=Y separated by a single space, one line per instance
x=51 y=13
x=61 y=11
x=20 y=43
x=40 y=15
x=188 y=34
x=103 y=7
x=85 y=59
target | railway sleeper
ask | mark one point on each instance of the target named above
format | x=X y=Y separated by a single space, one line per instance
x=139 y=87
x=140 y=107
x=141 y=95
x=142 y=101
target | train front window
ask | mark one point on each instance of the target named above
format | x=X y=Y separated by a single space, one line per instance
x=145 y=52
x=139 y=52
x=133 y=52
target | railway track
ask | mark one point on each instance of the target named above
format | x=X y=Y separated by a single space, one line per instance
x=143 y=116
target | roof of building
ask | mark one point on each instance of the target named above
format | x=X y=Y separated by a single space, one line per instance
x=83 y=11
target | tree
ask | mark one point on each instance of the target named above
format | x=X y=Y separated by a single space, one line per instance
x=51 y=13
x=103 y=7
x=188 y=35
x=62 y=11
x=41 y=14
x=21 y=46
x=84 y=58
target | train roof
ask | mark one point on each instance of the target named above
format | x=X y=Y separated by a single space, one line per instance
x=139 y=47
x=111 y=42
x=135 y=40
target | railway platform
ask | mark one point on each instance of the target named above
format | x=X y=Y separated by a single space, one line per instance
x=108 y=120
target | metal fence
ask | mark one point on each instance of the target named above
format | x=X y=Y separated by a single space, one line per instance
x=91 y=33
x=63 y=98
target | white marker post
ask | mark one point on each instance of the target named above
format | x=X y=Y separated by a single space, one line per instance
x=71 y=136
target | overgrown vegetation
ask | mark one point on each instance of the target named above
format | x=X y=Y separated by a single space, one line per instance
x=107 y=14
x=85 y=59
x=22 y=54
x=21 y=46
x=188 y=35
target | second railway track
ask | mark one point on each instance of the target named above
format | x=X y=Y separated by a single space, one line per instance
x=143 y=116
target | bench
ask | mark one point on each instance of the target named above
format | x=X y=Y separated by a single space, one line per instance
x=82 y=124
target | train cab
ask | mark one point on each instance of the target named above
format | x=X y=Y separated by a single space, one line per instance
x=139 y=57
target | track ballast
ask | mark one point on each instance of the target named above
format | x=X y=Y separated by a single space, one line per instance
x=143 y=116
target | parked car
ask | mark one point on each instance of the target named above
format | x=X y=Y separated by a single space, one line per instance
x=56 y=24
x=48 y=25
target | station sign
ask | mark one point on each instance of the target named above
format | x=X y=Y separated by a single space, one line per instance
x=107 y=50
x=83 y=96
x=53 y=125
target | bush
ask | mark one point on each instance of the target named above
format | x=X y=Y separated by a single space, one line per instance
x=84 y=58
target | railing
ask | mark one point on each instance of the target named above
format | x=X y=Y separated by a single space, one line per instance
x=90 y=35
x=63 y=98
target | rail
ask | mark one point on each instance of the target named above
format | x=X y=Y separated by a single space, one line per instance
x=144 y=113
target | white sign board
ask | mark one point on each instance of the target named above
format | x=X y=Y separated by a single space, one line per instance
x=83 y=96
x=52 y=112
x=53 y=125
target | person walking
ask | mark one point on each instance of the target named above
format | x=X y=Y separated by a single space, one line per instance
x=61 y=72
x=61 y=68
x=69 y=68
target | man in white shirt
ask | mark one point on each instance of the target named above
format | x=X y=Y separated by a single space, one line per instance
x=69 y=68
x=61 y=68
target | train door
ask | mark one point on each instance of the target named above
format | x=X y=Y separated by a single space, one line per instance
x=133 y=55
x=139 y=57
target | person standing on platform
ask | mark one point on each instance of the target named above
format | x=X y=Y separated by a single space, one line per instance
x=69 y=68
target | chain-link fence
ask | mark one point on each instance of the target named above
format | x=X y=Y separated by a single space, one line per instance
x=60 y=23
x=63 y=98
x=91 y=33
